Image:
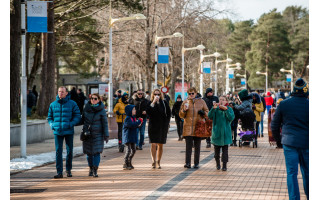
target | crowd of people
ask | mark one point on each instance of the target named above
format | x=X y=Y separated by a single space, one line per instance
x=227 y=113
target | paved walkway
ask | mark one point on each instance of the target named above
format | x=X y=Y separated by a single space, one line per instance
x=253 y=173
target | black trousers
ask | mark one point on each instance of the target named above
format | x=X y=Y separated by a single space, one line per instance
x=179 y=123
x=120 y=133
x=235 y=133
x=197 y=144
x=130 y=151
x=208 y=140
x=257 y=129
x=224 y=153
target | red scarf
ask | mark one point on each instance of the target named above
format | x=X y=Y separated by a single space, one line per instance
x=227 y=104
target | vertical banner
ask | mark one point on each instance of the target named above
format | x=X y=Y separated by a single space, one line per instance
x=37 y=19
x=206 y=67
x=178 y=89
x=243 y=81
x=231 y=74
x=103 y=89
x=163 y=55
x=289 y=77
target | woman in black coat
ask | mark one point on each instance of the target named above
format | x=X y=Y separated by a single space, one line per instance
x=96 y=127
x=159 y=112
x=175 y=114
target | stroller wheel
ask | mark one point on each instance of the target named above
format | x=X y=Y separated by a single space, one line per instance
x=256 y=143
x=240 y=143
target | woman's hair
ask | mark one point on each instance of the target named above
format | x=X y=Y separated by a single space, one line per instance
x=223 y=96
x=97 y=95
x=152 y=94
x=192 y=89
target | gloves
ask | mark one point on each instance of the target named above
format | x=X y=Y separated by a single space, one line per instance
x=201 y=113
x=117 y=112
x=141 y=120
x=106 y=138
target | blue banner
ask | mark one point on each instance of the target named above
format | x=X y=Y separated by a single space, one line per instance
x=206 y=67
x=289 y=77
x=243 y=81
x=163 y=55
x=231 y=76
x=37 y=21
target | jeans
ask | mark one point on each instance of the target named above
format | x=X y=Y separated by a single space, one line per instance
x=93 y=160
x=268 y=108
x=140 y=132
x=261 y=123
x=197 y=144
x=293 y=157
x=130 y=151
x=257 y=128
x=58 y=140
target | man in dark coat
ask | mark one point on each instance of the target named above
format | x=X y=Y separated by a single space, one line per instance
x=209 y=98
x=31 y=101
x=81 y=99
x=141 y=103
x=74 y=96
x=293 y=115
x=175 y=114
x=63 y=115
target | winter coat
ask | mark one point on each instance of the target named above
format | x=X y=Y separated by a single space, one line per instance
x=74 y=96
x=264 y=103
x=175 y=109
x=63 y=115
x=81 y=99
x=31 y=100
x=293 y=115
x=130 y=125
x=234 y=123
x=221 y=126
x=258 y=106
x=245 y=105
x=159 y=121
x=96 y=118
x=120 y=106
x=141 y=105
x=191 y=116
x=209 y=100
x=247 y=116
x=269 y=99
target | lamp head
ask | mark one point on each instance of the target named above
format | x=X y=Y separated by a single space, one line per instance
x=238 y=65
x=281 y=70
x=229 y=60
x=139 y=16
x=201 y=47
x=216 y=54
x=258 y=72
x=177 y=34
x=238 y=75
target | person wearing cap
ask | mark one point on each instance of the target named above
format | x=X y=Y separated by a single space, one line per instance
x=209 y=98
x=175 y=113
x=293 y=116
x=269 y=101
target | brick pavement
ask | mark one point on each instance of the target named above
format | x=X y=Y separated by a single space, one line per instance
x=252 y=174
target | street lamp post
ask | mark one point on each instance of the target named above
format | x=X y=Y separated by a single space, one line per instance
x=291 y=72
x=228 y=67
x=175 y=35
x=199 y=47
x=266 y=74
x=111 y=22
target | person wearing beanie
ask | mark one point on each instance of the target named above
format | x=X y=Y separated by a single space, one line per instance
x=209 y=98
x=119 y=110
x=293 y=116
x=175 y=113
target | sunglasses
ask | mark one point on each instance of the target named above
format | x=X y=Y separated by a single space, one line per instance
x=140 y=93
x=94 y=99
x=157 y=94
x=191 y=93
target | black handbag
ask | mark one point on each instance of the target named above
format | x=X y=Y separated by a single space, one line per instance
x=85 y=135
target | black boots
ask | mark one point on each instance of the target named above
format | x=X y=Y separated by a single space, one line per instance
x=187 y=165
x=58 y=176
x=69 y=174
x=224 y=167
x=91 y=171
x=95 y=171
x=127 y=166
x=218 y=164
x=208 y=145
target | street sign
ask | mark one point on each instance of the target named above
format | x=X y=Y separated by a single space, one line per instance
x=103 y=89
x=243 y=81
x=231 y=74
x=289 y=77
x=37 y=19
x=163 y=55
x=206 y=67
x=165 y=89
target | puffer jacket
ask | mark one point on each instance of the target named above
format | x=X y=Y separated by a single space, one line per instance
x=63 y=115
x=96 y=118
x=120 y=106
x=269 y=99
x=191 y=116
x=130 y=125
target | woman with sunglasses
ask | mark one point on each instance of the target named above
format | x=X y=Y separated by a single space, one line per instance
x=159 y=113
x=192 y=110
x=96 y=128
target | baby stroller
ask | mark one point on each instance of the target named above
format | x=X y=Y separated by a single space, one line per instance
x=248 y=133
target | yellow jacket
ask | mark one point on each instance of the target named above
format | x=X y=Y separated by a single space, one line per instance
x=258 y=110
x=120 y=106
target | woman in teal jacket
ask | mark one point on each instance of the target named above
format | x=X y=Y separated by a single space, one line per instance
x=222 y=116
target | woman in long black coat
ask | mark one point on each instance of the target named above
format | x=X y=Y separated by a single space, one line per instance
x=159 y=113
x=96 y=126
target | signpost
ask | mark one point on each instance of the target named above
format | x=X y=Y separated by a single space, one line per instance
x=163 y=55
x=164 y=89
x=37 y=16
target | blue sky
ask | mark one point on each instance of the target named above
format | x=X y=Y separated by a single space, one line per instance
x=253 y=9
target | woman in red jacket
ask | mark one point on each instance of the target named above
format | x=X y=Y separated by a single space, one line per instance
x=269 y=101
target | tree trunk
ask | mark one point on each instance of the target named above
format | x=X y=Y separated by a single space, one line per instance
x=42 y=98
x=36 y=62
x=148 y=48
x=15 y=59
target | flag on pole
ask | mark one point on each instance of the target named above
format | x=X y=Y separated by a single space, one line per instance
x=163 y=55
x=289 y=77
x=231 y=74
x=206 y=67
x=243 y=81
x=37 y=19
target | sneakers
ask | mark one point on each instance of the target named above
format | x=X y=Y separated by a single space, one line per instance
x=187 y=165
x=58 y=176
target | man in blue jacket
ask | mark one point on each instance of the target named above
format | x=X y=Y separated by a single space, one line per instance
x=293 y=115
x=63 y=115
